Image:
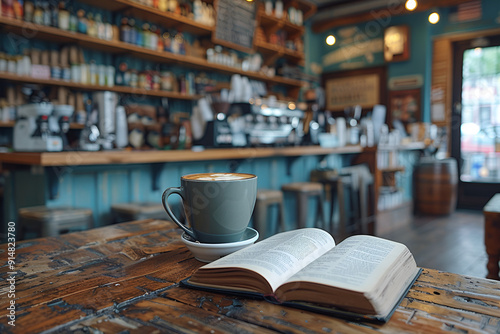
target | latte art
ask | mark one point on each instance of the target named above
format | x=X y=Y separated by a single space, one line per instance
x=218 y=176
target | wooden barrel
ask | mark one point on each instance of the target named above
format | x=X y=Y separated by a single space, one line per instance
x=436 y=186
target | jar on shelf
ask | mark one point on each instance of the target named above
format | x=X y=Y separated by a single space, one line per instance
x=134 y=79
x=167 y=41
x=167 y=81
x=142 y=80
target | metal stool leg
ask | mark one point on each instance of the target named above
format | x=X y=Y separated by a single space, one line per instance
x=342 y=218
x=260 y=218
x=281 y=212
x=302 y=205
x=320 y=212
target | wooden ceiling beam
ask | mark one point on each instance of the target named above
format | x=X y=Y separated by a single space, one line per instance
x=380 y=14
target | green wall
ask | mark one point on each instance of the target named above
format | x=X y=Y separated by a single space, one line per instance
x=360 y=45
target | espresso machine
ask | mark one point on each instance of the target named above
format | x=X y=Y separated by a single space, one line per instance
x=217 y=133
x=277 y=125
x=36 y=129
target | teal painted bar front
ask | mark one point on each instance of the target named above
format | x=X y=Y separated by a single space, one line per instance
x=99 y=187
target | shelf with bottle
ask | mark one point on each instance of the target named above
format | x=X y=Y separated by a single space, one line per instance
x=60 y=36
x=165 y=13
x=273 y=51
x=10 y=124
x=87 y=87
x=275 y=46
x=273 y=19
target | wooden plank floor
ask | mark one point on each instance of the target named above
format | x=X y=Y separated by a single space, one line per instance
x=453 y=243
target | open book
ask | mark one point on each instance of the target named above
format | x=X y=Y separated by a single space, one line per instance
x=363 y=277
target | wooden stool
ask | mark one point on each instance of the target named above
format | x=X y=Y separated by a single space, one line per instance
x=266 y=198
x=303 y=191
x=491 y=213
x=51 y=222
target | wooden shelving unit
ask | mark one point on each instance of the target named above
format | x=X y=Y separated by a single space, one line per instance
x=117 y=47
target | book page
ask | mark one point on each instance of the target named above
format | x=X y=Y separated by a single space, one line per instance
x=357 y=263
x=279 y=257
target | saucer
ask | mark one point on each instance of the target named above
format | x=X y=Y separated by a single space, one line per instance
x=210 y=252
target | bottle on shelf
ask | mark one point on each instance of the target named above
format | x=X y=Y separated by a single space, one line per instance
x=63 y=16
x=47 y=15
x=91 y=25
x=73 y=20
x=125 y=30
x=7 y=9
x=153 y=38
x=133 y=32
x=108 y=30
x=82 y=21
x=54 y=15
x=38 y=13
x=197 y=10
x=163 y=5
x=167 y=41
x=278 y=9
x=160 y=46
x=173 y=6
x=145 y=36
x=29 y=9
x=100 y=27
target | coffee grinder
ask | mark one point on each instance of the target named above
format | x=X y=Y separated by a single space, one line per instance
x=105 y=103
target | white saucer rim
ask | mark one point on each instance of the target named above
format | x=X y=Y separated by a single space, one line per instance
x=222 y=245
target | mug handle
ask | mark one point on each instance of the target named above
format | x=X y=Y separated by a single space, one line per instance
x=164 y=201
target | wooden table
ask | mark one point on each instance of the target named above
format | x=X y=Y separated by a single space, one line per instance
x=124 y=278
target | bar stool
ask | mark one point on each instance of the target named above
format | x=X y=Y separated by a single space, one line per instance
x=266 y=198
x=333 y=184
x=361 y=180
x=302 y=192
x=51 y=222
x=350 y=186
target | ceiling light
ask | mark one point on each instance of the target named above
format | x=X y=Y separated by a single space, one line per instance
x=330 y=40
x=411 y=5
x=434 y=18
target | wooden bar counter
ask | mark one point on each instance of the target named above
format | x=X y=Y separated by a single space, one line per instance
x=81 y=158
x=125 y=278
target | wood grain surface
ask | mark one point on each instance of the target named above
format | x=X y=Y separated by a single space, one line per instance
x=153 y=156
x=125 y=278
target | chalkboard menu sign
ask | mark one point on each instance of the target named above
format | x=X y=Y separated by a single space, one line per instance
x=235 y=25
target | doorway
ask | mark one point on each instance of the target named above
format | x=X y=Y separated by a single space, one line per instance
x=475 y=130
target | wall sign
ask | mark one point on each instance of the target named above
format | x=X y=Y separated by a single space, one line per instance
x=235 y=24
x=404 y=105
x=396 y=43
x=364 y=87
